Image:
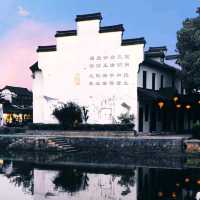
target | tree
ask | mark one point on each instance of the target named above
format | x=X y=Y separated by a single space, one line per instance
x=188 y=47
x=69 y=115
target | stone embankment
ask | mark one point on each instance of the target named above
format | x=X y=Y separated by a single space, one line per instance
x=122 y=142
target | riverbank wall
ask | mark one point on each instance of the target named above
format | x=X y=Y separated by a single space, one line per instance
x=104 y=142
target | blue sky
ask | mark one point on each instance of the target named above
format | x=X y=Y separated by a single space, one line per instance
x=156 y=20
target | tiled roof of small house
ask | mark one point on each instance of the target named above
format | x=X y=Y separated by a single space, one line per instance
x=18 y=90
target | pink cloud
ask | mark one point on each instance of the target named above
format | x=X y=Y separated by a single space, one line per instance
x=18 y=52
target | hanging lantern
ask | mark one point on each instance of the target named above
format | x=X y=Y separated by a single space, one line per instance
x=161 y=104
x=187 y=180
x=175 y=99
x=174 y=194
x=178 y=106
x=160 y=194
x=198 y=182
x=188 y=106
x=177 y=184
x=199 y=102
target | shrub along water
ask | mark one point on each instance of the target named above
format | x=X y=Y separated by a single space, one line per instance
x=69 y=115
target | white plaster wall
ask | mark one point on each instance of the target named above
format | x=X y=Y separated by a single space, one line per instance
x=7 y=95
x=67 y=74
x=38 y=100
x=167 y=78
x=1 y=114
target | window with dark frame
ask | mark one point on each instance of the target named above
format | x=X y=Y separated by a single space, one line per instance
x=153 y=81
x=144 y=79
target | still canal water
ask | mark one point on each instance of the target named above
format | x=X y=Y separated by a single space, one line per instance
x=24 y=181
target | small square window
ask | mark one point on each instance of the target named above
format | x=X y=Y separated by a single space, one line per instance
x=112 y=64
x=125 y=83
x=90 y=83
x=118 y=75
x=91 y=76
x=91 y=57
x=104 y=83
x=105 y=65
x=97 y=83
x=118 y=82
x=111 y=83
x=111 y=75
x=91 y=65
x=105 y=75
x=105 y=57
x=98 y=75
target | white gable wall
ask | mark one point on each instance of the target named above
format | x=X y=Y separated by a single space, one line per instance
x=89 y=58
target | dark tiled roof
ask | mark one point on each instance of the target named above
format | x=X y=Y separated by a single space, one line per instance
x=151 y=95
x=156 y=49
x=162 y=66
x=18 y=90
x=46 y=48
x=34 y=67
x=152 y=54
x=171 y=57
x=66 y=33
x=133 y=41
x=114 y=28
x=87 y=17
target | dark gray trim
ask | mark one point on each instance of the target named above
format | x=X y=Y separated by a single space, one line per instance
x=46 y=48
x=35 y=67
x=66 y=33
x=158 y=54
x=171 y=57
x=133 y=41
x=93 y=16
x=114 y=28
x=157 y=49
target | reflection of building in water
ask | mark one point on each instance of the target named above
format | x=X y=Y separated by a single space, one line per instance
x=76 y=185
x=167 y=184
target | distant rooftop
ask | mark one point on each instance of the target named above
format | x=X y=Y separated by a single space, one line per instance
x=17 y=90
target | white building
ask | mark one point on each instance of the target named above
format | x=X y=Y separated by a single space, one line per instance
x=92 y=66
x=96 y=67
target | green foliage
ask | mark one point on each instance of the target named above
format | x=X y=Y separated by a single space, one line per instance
x=196 y=130
x=126 y=118
x=69 y=115
x=188 y=47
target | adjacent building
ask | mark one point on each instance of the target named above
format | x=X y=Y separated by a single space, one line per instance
x=15 y=105
x=96 y=67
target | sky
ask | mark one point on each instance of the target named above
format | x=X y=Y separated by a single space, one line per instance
x=26 y=24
